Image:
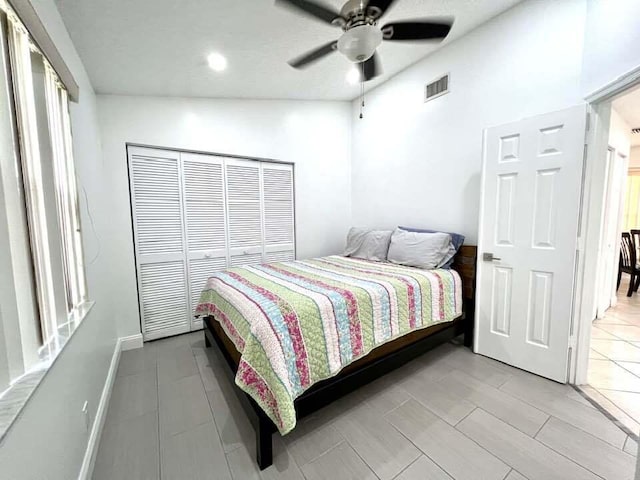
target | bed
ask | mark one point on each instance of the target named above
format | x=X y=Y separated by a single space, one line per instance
x=299 y=335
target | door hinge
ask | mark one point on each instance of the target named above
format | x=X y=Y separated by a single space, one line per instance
x=588 y=123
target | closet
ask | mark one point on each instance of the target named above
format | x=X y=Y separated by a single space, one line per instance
x=195 y=214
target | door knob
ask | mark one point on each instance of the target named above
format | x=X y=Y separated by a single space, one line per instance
x=488 y=257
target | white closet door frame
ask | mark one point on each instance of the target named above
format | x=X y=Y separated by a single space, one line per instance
x=143 y=260
x=270 y=252
x=202 y=255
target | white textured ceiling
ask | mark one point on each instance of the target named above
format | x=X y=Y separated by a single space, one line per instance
x=159 y=47
x=628 y=106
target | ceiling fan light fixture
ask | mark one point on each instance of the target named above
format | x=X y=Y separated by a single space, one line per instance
x=359 y=44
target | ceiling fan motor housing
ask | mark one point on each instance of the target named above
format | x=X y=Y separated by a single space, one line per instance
x=359 y=44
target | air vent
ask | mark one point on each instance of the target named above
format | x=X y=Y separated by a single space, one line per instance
x=635 y=130
x=437 y=88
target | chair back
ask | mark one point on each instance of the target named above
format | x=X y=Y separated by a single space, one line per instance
x=627 y=252
x=635 y=239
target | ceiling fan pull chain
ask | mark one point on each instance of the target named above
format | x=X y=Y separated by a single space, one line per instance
x=362 y=91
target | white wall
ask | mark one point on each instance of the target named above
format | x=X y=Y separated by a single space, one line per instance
x=49 y=438
x=419 y=164
x=314 y=135
x=634 y=157
x=611 y=42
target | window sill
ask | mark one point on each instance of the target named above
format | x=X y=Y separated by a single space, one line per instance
x=14 y=398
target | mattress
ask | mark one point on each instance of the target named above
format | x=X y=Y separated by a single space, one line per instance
x=297 y=323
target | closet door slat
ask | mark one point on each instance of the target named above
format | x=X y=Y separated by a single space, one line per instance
x=278 y=200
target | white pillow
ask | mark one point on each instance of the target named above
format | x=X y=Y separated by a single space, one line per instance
x=417 y=249
x=368 y=244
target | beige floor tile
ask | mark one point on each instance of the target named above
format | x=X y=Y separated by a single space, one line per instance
x=609 y=375
x=629 y=402
x=526 y=455
x=380 y=445
x=342 y=462
x=633 y=367
x=602 y=332
x=500 y=404
x=455 y=453
x=611 y=408
x=423 y=468
x=597 y=456
x=595 y=355
x=629 y=333
x=617 y=350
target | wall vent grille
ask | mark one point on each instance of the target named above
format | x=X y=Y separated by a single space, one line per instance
x=635 y=130
x=437 y=88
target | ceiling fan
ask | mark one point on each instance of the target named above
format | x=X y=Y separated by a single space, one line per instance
x=362 y=36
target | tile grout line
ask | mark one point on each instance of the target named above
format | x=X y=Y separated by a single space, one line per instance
x=541 y=427
x=606 y=413
x=213 y=418
x=408 y=466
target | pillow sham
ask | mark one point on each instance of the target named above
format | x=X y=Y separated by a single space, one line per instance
x=456 y=242
x=418 y=249
x=368 y=244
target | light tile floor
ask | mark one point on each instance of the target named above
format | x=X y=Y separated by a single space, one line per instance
x=614 y=362
x=448 y=415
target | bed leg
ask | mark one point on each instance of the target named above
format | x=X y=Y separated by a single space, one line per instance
x=264 y=446
x=207 y=343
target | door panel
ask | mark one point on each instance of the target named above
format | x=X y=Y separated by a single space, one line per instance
x=530 y=204
x=157 y=224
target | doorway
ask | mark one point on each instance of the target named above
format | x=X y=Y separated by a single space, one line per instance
x=613 y=366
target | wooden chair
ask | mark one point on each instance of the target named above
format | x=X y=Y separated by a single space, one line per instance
x=629 y=263
x=635 y=239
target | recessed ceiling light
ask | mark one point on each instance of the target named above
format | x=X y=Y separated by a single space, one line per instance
x=217 y=62
x=353 y=76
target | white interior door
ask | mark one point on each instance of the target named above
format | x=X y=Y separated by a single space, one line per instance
x=205 y=222
x=156 y=197
x=530 y=208
x=244 y=211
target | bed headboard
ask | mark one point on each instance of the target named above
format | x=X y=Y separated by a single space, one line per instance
x=465 y=264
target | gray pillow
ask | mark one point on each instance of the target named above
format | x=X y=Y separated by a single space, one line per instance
x=416 y=249
x=368 y=244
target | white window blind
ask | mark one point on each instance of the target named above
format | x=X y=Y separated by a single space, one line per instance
x=42 y=237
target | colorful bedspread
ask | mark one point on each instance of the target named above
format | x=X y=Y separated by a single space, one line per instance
x=297 y=323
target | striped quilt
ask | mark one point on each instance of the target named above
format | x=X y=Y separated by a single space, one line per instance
x=297 y=323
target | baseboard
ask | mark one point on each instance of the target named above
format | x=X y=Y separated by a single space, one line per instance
x=131 y=342
x=123 y=343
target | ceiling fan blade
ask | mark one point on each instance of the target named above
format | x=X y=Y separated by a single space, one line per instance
x=319 y=12
x=416 y=30
x=314 y=55
x=371 y=68
x=381 y=5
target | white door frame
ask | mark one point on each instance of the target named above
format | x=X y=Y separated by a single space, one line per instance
x=591 y=218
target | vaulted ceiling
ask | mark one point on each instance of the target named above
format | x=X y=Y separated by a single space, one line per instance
x=159 y=47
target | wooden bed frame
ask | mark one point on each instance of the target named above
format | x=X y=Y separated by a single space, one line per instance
x=377 y=363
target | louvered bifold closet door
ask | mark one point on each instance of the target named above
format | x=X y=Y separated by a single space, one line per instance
x=244 y=212
x=278 y=212
x=159 y=241
x=206 y=232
